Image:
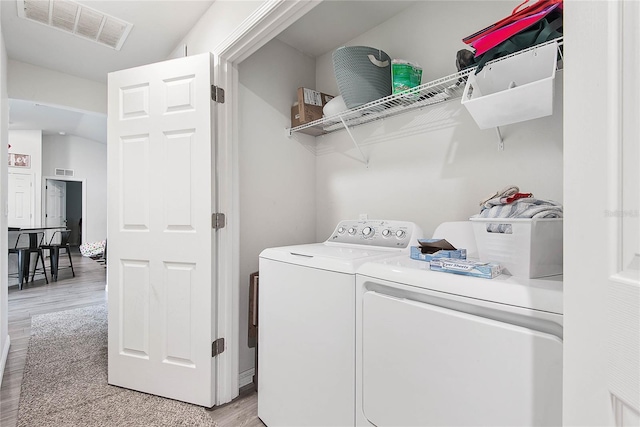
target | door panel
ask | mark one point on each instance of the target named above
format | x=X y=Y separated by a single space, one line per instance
x=162 y=250
x=179 y=285
x=20 y=190
x=179 y=159
x=56 y=208
x=135 y=308
x=134 y=179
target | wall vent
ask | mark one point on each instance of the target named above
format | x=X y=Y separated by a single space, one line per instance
x=77 y=19
x=64 y=172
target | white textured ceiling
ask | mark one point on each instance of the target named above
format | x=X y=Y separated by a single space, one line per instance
x=334 y=22
x=28 y=115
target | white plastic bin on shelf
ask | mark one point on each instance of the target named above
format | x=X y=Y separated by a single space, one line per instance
x=513 y=89
x=532 y=249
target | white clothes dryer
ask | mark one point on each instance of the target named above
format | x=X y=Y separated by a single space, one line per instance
x=440 y=349
x=306 y=339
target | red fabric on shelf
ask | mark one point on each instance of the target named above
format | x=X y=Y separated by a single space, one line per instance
x=530 y=10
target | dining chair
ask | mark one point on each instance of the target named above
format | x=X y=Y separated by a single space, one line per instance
x=54 y=252
x=24 y=256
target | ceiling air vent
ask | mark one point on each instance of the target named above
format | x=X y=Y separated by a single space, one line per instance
x=77 y=19
x=64 y=172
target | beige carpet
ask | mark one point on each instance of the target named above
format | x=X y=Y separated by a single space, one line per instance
x=65 y=380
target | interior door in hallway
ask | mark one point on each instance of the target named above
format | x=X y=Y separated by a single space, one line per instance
x=20 y=190
x=162 y=248
x=56 y=205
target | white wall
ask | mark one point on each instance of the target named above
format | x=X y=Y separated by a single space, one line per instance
x=4 y=123
x=277 y=174
x=220 y=20
x=88 y=159
x=434 y=165
x=30 y=142
x=49 y=87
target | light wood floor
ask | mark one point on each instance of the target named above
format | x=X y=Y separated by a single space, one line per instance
x=86 y=289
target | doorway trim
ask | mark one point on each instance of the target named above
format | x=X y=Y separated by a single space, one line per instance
x=254 y=32
x=84 y=198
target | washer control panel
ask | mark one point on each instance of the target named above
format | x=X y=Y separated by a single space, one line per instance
x=382 y=233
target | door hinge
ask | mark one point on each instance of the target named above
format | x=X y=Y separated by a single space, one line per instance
x=217 y=347
x=217 y=94
x=218 y=221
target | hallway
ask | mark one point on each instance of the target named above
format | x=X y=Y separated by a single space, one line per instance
x=86 y=289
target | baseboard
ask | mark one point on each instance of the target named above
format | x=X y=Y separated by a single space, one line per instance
x=5 y=355
x=246 y=377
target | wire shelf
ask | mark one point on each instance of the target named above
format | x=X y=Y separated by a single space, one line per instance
x=445 y=89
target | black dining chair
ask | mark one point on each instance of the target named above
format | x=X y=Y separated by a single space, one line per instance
x=54 y=252
x=24 y=256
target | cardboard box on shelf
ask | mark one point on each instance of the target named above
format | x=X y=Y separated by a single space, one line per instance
x=309 y=106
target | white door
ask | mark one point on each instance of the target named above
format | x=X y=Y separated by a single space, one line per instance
x=623 y=173
x=161 y=246
x=602 y=214
x=20 y=190
x=56 y=206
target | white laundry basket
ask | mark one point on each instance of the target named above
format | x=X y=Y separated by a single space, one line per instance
x=513 y=89
x=532 y=249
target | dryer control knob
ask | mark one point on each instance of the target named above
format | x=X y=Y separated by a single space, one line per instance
x=352 y=231
x=367 y=232
x=341 y=230
x=400 y=234
x=386 y=232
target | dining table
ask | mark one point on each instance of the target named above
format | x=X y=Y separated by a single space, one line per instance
x=13 y=242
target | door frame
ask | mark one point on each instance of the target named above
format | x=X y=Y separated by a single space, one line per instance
x=67 y=179
x=259 y=28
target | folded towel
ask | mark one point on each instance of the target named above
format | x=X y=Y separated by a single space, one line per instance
x=505 y=192
x=522 y=208
x=505 y=200
x=511 y=203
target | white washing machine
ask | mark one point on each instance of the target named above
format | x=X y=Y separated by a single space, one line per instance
x=440 y=349
x=306 y=339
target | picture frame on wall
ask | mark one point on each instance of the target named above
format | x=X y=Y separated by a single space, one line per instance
x=19 y=160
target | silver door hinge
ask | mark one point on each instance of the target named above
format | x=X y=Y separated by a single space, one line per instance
x=218 y=221
x=217 y=347
x=217 y=94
